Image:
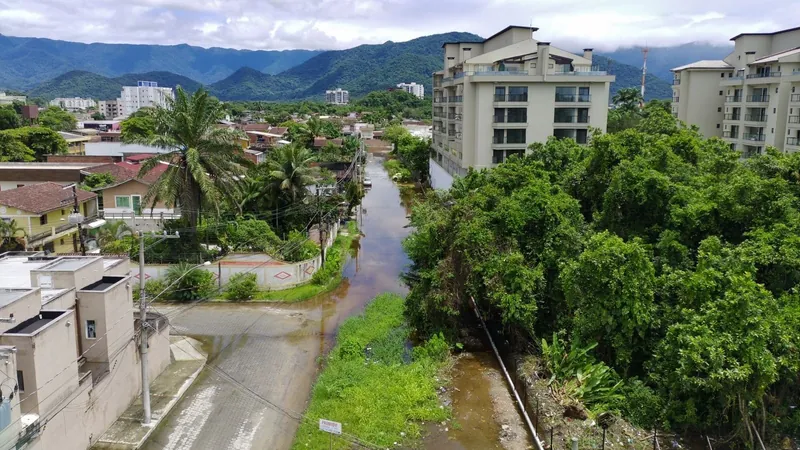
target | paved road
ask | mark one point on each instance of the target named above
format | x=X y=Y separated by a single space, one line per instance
x=273 y=350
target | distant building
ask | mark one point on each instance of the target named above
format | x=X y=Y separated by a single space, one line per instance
x=76 y=143
x=74 y=103
x=110 y=108
x=144 y=94
x=101 y=125
x=9 y=99
x=337 y=97
x=413 y=89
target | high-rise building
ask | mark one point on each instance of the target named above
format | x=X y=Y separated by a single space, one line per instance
x=110 y=108
x=497 y=96
x=6 y=99
x=73 y=103
x=413 y=89
x=751 y=98
x=144 y=94
x=337 y=97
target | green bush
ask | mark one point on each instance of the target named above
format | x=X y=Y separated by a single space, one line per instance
x=397 y=171
x=334 y=259
x=641 y=406
x=152 y=288
x=119 y=246
x=241 y=286
x=435 y=349
x=298 y=248
x=190 y=282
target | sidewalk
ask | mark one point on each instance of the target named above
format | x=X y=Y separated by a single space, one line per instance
x=128 y=433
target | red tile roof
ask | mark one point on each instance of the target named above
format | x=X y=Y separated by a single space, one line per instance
x=256 y=127
x=139 y=157
x=125 y=171
x=41 y=198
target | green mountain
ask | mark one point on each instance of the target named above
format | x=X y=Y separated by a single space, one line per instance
x=661 y=59
x=78 y=83
x=630 y=76
x=27 y=62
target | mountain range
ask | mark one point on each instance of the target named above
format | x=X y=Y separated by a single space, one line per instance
x=254 y=75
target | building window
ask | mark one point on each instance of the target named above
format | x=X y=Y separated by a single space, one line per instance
x=61 y=241
x=776 y=90
x=774 y=110
x=122 y=201
x=720 y=92
x=516 y=136
x=91 y=329
x=20 y=381
x=20 y=185
x=497 y=156
x=722 y=75
x=517 y=115
x=717 y=125
x=719 y=109
x=43 y=220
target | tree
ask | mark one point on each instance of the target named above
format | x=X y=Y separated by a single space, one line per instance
x=10 y=234
x=9 y=119
x=98 y=116
x=298 y=133
x=57 y=119
x=415 y=155
x=290 y=172
x=205 y=162
x=42 y=141
x=189 y=282
x=627 y=99
x=137 y=128
x=12 y=150
x=97 y=180
x=112 y=231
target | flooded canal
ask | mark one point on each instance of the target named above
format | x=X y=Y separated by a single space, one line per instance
x=263 y=358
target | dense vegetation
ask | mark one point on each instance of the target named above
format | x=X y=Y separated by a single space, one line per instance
x=374 y=384
x=678 y=260
x=27 y=144
x=409 y=160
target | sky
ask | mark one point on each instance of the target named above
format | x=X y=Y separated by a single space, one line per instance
x=336 y=24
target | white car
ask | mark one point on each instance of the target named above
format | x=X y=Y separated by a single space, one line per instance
x=367 y=182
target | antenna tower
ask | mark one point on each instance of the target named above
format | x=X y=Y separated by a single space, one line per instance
x=645 y=51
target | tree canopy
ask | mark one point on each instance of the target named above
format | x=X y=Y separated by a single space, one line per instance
x=57 y=119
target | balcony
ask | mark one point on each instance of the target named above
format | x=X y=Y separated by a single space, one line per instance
x=755 y=137
x=733 y=117
x=730 y=134
x=763 y=75
x=733 y=99
x=755 y=117
x=595 y=71
x=490 y=73
x=511 y=98
x=792 y=141
x=571 y=119
x=455 y=99
x=497 y=140
x=795 y=98
x=572 y=98
x=794 y=119
x=454 y=116
x=512 y=120
x=758 y=98
x=439 y=100
x=676 y=81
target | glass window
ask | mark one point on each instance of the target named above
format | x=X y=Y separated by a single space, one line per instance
x=498 y=137
x=499 y=115
x=518 y=94
x=122 y=201
x=565 y=93
x=518 y=153
x=43 y=220
x=21 y=381
x=581 y=136
x=517 y=115
x=91 y=329
x=515 y=136
x=499 y=93
x=497 y=156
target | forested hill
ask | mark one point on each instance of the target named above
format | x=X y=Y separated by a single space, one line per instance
x=27 y=62
x=661 y=59
x=78 y=83
x=630 y=76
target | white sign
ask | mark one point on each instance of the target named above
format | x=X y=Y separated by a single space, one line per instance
x=45 y=281
x=330 y=426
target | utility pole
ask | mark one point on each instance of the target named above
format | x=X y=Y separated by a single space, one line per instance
x=143 y=328
x=76 y=217
x=319 y=230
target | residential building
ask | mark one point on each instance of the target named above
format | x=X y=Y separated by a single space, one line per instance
x=70 y=348
x=111 y=109
x=100 y=125
x=751 y=99
x=18 y=174
x=6 y=99
x=337 y=97
x=264 y=136
x=144 y=94
x=413 y=89
x=43 y=213
x=74 y=103
x=497 y=96
x=76 y=143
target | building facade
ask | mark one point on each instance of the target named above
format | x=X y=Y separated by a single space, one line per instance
x=496 y=97
x=754 y=99
x=144 y=94
x=9 y=99
x=337 y=97
x=74 y=103
x=413 y=89
x=110 y=108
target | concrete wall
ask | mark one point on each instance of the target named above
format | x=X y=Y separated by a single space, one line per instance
x=112 y=311
x=26 y=306
x=65 y=279
x=128 y=189
x=8 y=370
x=699 y=100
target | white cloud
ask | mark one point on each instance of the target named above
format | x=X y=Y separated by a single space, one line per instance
x=324 y=24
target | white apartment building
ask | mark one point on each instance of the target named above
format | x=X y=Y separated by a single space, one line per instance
x=413 y=89
x=73 y=103
x=751 y=99
x=496 y=97
x=110 y=108
x=337 y=97
x=9 y=99
x=144 y=94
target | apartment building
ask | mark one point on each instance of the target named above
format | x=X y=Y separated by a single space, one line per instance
x=42 y=214
x=70 y=349
x=73 y=103
x=495 y=97
x=6 y=99
x=751 y=99
x=337 y=97
x=413 y=89
x=110 y=108
x=144 y=94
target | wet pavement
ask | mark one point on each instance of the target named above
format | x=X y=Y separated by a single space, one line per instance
x=263 y=358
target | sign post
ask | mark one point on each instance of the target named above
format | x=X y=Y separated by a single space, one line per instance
x=331 y=428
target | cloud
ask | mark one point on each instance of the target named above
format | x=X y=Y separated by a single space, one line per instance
x=336 y=24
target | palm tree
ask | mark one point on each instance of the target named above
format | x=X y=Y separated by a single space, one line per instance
x=205 y=162
x=9 y=231
x=627 y=99
x=314 y=126
x=113 y=231
x=290 y=171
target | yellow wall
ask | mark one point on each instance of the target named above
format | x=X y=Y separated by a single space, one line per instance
x=31 y=223
x=76 y=147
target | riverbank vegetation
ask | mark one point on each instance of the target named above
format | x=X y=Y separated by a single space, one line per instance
x=375 y=384
x=408 y=160
x=663 y=255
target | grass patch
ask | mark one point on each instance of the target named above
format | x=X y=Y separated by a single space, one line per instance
x=374 y=383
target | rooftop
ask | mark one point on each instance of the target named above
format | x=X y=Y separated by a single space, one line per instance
x=705 y=64
x=125 y=171
x=68 y=263
x=71 y=136
x=103 y=284
x=35 y=324
x=41 y=198
x=45 y=165
x=773 y=33
x=8 y=296
x=777 y=56
x=16 y=267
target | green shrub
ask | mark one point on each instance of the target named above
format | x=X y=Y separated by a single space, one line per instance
x=397 y=171
x=334 y=259
x=190 y=282
x=640 y=405
x=241 y=286
x=119 y=246
x=152 y=288
x=298 y=248
x=435 y=349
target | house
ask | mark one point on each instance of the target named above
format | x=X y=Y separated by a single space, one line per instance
x=101 y=125
x=321 y=142
x=18 y=174
x=42 y=212
x=124 y=198
x=267 y=138
x=76 y=143
x=70 y=351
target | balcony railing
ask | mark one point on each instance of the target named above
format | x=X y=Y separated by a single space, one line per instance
x=454 y=116
x=730 y=134
x=455 y=99
x=676 y=81
x=792 y=141
x=763 y=75
x=488 y=73
x=595 y=71
x=572 y=98
x=571 y=119
x=755 y=117
x=794 y=119
x=511 y=97
x=758 y=98
x=439 y=100
x=754 y=137
x=733 y=99
x=733 y=117
x=507 y=140
x=510 y=119
x=795 y=98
